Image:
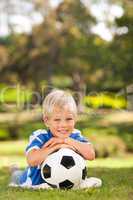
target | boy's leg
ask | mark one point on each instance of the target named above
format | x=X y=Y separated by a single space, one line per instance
x=91 y=182
x=16 y=173
x=15 y=177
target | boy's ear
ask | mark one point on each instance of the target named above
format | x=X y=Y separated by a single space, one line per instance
x=45 y=119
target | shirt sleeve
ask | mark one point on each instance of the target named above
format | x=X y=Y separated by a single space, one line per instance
x=78 y=136
x=81 y=138
x=36 y=140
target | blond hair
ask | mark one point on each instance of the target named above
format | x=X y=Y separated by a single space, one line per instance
x=61 y=99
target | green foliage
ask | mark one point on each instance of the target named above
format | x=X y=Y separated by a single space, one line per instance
x=121 y=134
x=105 y=145
x=126 y=133
x=60 y=48
x=26 y=130
x=4 y=134
x=14 y=94
x=61 y=81
x=23 y=131
x=128 y=139
x=105 y=101
x=67 y=46
x=121 y=46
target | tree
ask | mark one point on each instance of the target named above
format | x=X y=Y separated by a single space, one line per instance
x=61 y=27
x=64 y=44
x=122 y=46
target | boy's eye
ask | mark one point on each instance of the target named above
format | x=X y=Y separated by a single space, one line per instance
x=69 y=118
x=57 y=119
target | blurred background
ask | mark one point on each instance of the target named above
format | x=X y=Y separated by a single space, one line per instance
x=84 y=46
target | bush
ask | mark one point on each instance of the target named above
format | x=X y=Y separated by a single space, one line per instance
x=61 y=81
x=106 y=145
x=23 y=131
x=128 y=139
x=15 y=94
x=26 y=130
x=105 y=101
x=4 y=134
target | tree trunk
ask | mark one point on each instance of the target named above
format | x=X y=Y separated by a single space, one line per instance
x=79 y=88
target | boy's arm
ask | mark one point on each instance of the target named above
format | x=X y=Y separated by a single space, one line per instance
x=83 y=148
x=37 y=156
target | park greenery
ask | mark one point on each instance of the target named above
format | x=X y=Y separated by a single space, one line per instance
x=63 y=52
x=64 y=45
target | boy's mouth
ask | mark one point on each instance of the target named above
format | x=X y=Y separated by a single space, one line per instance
x=63 y=131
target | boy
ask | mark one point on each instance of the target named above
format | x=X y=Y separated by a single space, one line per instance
x=59 y=115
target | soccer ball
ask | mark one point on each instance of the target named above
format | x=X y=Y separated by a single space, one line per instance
x=64 y=169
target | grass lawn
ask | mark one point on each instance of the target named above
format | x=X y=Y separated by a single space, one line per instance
x=116 y=173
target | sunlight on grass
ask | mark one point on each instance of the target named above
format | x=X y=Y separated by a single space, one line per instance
x=13 y=147
x=7 y=161
x=111 y=162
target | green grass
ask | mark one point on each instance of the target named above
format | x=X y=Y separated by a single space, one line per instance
x=117 y=185
x=116 y=173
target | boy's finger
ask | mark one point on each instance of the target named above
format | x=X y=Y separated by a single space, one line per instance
x=55 y=147
x=47 y=143
x=54 y=143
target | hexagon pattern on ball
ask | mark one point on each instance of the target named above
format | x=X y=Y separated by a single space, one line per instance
x=47 y=171
x=67 y=161
x=84 y=173
x=64 y=169
x=66 y=184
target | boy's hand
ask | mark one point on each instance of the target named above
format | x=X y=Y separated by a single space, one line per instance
x=68 y=146
x=53 y=141
x=57 y=147
x=57 y=143
x=37 y=156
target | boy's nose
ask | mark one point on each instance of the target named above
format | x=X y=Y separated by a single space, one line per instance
x=63 y=123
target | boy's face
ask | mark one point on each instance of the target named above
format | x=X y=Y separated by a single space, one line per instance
x=61 y=123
